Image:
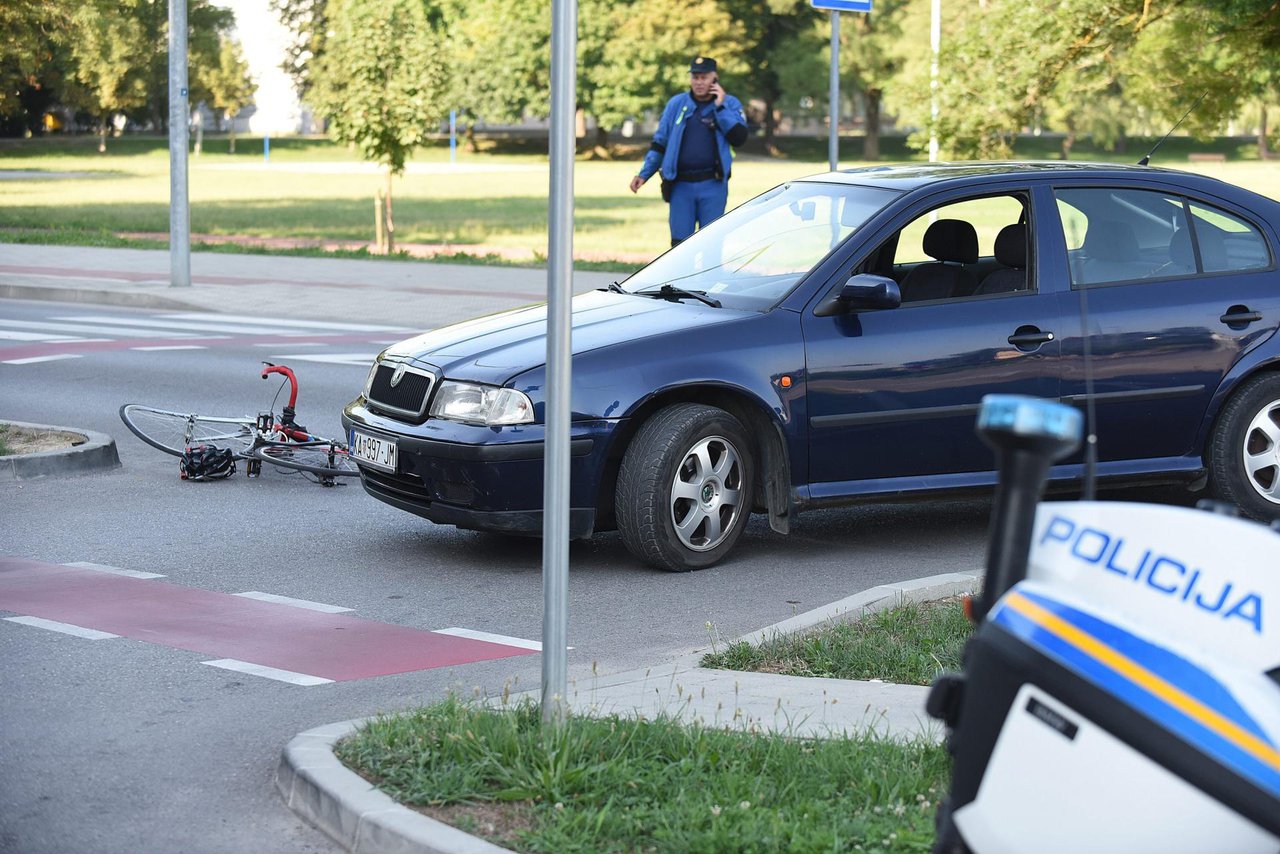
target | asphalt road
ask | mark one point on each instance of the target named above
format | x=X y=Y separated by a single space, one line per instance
x=122 y=745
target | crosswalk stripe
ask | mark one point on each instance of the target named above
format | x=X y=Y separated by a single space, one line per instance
x=171 y=347
x=35 y=336
x=90 y=328
x=303 y=324
x=234 y=328
x=520 y=643
x=363 y=360
x=114 y=570
x=34 y=359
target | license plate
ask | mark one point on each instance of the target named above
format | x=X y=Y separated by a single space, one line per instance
x=373 y=451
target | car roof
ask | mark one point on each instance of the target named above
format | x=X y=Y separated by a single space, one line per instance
x=910 y=176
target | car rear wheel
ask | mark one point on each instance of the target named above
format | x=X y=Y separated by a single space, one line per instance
x=1244 y=458
x=684 y=491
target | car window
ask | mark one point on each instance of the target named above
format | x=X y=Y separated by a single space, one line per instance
x=966 y=248
x=986 y=215
x=1227 y=242
x=753 y=255
x=1120 y=235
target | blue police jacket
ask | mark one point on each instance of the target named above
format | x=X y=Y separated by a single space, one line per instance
x=664 y=152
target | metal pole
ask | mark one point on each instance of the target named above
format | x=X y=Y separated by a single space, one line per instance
x=179 y=207
x=935 y=43
x=833 y=141
x=555 y=494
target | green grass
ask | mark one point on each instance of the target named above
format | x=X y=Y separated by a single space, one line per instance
x=490 y=202
x=614 y=784
x=910 y=644
x=5 y=450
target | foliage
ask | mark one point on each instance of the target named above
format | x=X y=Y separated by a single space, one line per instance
x=308 y=23
x=614 y=784
x=516 y=85
x=230 y=86
x=111 y=52
x=770 y=26
x=381 y=78
x=30 y=36
x=909 y=645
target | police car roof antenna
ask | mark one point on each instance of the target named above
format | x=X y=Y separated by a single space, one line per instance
x=1145 y=160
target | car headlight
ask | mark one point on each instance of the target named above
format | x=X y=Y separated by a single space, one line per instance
x=481 y=404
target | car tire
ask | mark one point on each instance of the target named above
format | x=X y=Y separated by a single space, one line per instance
x=685 y=488
x=1244 y=455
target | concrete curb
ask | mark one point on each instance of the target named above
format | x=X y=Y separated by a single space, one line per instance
x=324 y=792
x=97 y=453
x=358 y=816
x=96 y=296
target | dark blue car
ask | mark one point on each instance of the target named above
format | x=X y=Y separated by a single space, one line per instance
x=829 y=342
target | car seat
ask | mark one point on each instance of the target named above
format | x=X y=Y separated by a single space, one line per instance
x=952 y=242
x=1011 y=251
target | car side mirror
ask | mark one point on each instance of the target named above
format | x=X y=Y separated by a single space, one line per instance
x=863 y=292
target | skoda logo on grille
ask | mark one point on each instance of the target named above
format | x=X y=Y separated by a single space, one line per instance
x=397 y=376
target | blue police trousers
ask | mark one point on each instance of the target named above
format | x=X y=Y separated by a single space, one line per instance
x=695 y=204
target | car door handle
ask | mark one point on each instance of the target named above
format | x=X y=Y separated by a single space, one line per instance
x=1029 y=336
x=1240 y=315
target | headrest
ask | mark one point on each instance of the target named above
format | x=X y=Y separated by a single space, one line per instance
x=951 y=240
x=1011 y=245
x=1110 y=240
x=1181 y=255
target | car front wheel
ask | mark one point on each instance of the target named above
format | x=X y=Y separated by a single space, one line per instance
x=1244 y=458
x=685 y=488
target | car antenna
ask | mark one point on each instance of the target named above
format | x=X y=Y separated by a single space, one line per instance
x=1147 y=159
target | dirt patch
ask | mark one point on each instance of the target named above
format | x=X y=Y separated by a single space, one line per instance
x=26 y=440
x=499 y=823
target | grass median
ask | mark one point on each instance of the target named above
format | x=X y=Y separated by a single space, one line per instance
x=909 y=645
x=618 y=784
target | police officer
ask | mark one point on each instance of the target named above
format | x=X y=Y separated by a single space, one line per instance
x=691 y=150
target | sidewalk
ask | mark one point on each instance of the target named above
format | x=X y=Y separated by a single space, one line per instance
x=313 y=783
x=406 y=293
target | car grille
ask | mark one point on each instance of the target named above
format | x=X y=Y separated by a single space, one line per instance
x=404 y=486
x=408 y=397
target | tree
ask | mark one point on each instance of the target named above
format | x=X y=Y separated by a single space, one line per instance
x=636 y=55
x=769 y=25
x=30 y=36
x=231 y=89
x=308 y=25
x=518 y=31
x=381 y=81
x=110 y=51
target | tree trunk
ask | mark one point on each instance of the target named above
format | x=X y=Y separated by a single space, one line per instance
x=770 y=126
x=102 y=135
x=1264 y=153
x=1067 y=141
x=471 y=138
x=232 y=128
x=871 y=142
x=390 y=224
x=602 y=144
x=379 y=238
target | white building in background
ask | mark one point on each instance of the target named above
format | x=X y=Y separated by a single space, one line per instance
x=263 y=40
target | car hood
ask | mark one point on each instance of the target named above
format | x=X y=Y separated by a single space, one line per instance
x=497 y=347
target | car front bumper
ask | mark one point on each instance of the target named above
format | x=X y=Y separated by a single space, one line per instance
x=481 y=478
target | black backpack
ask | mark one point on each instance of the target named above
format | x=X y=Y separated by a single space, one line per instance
x=207 y=462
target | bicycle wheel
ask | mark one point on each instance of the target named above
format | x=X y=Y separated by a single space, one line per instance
x=321 y=456
x=174 y=432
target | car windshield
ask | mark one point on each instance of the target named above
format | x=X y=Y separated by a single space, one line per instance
x=753 y=255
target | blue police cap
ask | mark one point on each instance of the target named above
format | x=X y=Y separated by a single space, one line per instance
x=702 y=64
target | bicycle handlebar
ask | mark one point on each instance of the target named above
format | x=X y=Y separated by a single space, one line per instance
x=288 y=373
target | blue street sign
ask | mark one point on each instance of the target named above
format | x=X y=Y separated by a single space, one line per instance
x=842 y=5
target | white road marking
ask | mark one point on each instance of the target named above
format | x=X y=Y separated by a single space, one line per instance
x=35 y=359
x=294 y=344
x=268 y=672
x=260 y=328
x=171 y=347
x=297 y=603
x=62 y=628
x=521 y=643
x=363 y=360
x=91 y=328
x=114 y=570
x=35 y=336
x=303 y=324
